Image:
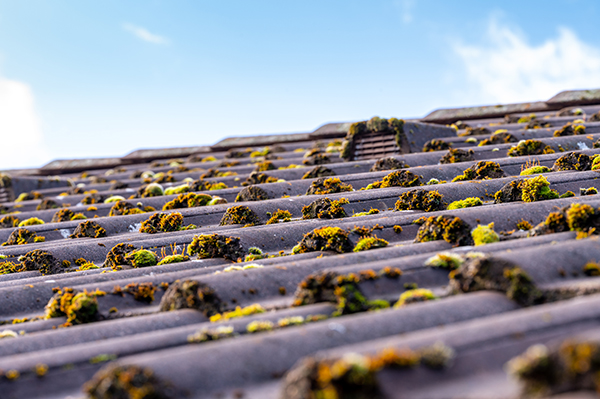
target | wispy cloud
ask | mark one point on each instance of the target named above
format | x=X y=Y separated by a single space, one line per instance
x=144 y=34
x=506 y=68
x=20 y=129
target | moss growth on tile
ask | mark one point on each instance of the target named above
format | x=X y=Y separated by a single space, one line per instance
x=324 y=239
x=78 y=307
x=318 y=171
x=129 y=382
x=189 y=200
x=537 y=189
x=534 y=170
x=388 y=163
x=400 y=178
x=397 y=229
x=492 y=273
x=510 y=192
x=484 y=234
x=328 y=186
x=259 y=178
x=436 y=145
x=569 y=129
x=252 y=193
x=456 y=155
x=9 y=221
x=324 y=208
x=371 y=211
x=371 y=242
x=239 y=214
x=498 y=137
x=475 y=131
x=31 y=222
x=181 y=189
x=421 y=200
x=448 y=228
x=529 y=147
x=238 y=312
x=524 y=225
x=211 y=334
x=89 y=229
x=573 y=161
x=591 y=269
x=124 y=208
x=482 y=170
x=22 y=236
x=279 y=216
x=162 y=222
x=142 y=292
x=588 y=191
x=216 y=246
x=466 y=203
x=47 y=204
x=116 y=256
x=264 y=166
x=414 y=296
x=191 y=294
x=173 y=259
x=141 y=258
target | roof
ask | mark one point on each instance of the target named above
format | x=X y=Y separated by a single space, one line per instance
x=455 y=255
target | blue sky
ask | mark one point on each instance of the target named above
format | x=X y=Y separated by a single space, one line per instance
x=82 y=78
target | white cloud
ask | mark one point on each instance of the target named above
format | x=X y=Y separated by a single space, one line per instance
x=145 y=35
x=509 y=69
x=406 y=9
x=21 y=137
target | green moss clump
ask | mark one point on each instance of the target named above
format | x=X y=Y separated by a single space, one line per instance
x=397 y=229
x=252 y=193
x=482 y=170
x=537 y=189
x=436 y=145
x=510 y=192
x=11 y=267
x=324 y=239
x=191 y=294
x=569 y=130
x=415 y=295
x=491 y=273
x=588 y=191
x=22 y=236
x=475 y=131
x=141 y=258
x=88 y=229
x=115 y=381
x=591 y=269
x=79 y=307
x=422 y=200
x=142 y=292
x=580 y=217
x=62 y=215
x=238 y=312
x=534 y=170
x=47 y=204
x=259 y=178
x=31 y=222
x=324 y=208
x=189 y=200
x=173 y=259
x=466 y=203
x=9 y=221
x=388 y=163
x=573 y=161
x=498 y=137
x=343 y=290
x=114 y=198
x=318 y=171
x=181 y=189
x=371 y=211
x=116 y=256
x=401 y=178
x=450 y=260
x=263 y=152
x=317 y=159
x=280 y=216
x=216 y=246
x=484 y=234
x=240 y=215
x=217 y=201
x=328 y=186
x=264 y=166
x=529 y=147
x=124 y=208
x=367 y=243
x=43 y=261
x=524 y=225
x=444 y=227
x=151 y=190
x=33 y=195
x=162 y=222
x=455 y=155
